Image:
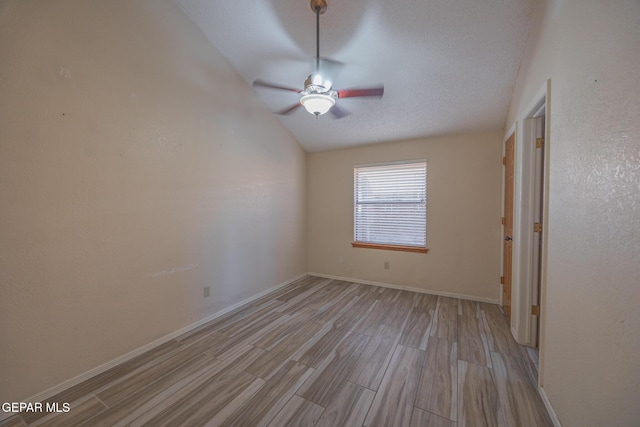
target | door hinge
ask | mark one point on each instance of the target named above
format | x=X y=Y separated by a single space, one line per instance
x=504 y=160
x=537 y=227
x=535 y=310
x=502 y=280
x=539 y=142
x=502 y=221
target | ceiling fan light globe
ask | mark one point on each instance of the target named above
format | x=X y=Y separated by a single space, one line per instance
x=317 y=103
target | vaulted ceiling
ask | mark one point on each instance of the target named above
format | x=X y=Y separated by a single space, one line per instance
x=448 y=66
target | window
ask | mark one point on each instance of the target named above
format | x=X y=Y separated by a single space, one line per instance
x=390 y=206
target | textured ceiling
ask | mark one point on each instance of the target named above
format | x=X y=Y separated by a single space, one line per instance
x=448 y=66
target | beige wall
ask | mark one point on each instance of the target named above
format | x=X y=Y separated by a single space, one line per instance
x=136 y=168
x=463 y=216
x=590 y=356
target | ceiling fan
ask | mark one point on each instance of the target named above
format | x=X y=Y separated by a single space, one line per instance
x=318 y=97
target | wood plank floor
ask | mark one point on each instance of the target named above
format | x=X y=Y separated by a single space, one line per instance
x=321 y=352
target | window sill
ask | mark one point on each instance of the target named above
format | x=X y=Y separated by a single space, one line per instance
x=390 y=247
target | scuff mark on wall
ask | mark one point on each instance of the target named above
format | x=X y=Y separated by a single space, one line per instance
x=174 y=270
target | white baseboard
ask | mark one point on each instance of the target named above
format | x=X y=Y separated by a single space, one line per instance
x=552 y=413
x=407 y=288
x=41 y=397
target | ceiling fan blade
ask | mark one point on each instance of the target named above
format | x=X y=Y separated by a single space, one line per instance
x=330 y=68
x=288 y=110
x=339 y=112
x=352 y=93
x=262 y=83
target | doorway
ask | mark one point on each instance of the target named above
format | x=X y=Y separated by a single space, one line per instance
x=530 y=229
x=507 y=222
x=537 y=212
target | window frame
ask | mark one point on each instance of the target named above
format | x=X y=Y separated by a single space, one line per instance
x=389 y=246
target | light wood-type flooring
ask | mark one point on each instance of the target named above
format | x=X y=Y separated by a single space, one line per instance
x=322 y=352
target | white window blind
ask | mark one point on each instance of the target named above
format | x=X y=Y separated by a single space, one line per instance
x=390 y=204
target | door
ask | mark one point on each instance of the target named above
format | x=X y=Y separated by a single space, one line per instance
x=538 y=212
x=507 y=244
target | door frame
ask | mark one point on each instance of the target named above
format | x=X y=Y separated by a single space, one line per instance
x=507 y=281
x=524 y=182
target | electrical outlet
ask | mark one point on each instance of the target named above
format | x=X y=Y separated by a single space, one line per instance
x=386 y=265
x=207 y=290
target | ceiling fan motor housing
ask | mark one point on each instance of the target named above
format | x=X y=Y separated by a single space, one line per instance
x=315 y=84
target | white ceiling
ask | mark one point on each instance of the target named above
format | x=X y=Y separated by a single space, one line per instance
x=448 y=66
